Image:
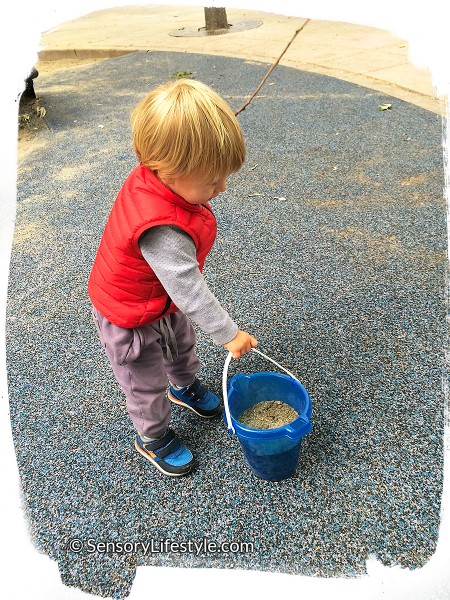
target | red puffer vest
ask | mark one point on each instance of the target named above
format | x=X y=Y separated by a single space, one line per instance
x=122 y=286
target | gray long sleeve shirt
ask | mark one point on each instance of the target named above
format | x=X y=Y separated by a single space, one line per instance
x=171 y=254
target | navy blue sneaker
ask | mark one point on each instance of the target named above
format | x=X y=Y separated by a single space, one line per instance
x=197 y=398
x=167 y=453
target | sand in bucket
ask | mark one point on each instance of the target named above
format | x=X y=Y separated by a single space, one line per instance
x=268 y=414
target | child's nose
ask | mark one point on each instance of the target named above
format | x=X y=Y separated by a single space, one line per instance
x=221 y=186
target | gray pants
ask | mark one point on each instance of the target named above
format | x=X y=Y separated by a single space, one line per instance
x=140 y=359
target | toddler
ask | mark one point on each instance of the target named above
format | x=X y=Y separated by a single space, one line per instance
x=146 y=283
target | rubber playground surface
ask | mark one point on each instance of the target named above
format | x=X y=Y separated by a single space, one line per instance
x=331 y=250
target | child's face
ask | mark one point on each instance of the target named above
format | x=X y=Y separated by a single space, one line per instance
x=196 y=190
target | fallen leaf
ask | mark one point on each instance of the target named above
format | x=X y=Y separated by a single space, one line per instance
x=181 y=74
x=384 y=106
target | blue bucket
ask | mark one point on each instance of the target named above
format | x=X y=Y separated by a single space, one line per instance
x=272 y=454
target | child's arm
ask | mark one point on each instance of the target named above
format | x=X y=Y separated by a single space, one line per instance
x=171 y=254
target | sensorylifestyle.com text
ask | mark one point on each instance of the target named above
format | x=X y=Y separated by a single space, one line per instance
x=162 y=546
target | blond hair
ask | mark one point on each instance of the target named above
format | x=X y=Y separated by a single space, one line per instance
x=184 y=127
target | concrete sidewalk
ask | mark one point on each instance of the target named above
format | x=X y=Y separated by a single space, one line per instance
x=357 y=54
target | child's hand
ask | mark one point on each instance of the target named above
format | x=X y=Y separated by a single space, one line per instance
x=242 y=343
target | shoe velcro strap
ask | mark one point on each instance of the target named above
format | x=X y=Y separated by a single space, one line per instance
x=160 y=442
x=171 y=447
x=195 y=391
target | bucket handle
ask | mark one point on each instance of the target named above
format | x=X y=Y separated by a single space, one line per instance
x=225 y=378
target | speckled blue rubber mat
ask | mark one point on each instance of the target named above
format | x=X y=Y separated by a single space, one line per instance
x=331 y=251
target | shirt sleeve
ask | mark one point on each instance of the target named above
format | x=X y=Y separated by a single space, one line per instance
x=171 y=254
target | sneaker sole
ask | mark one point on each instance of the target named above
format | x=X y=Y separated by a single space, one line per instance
x=157 y=465
x=181 y=403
